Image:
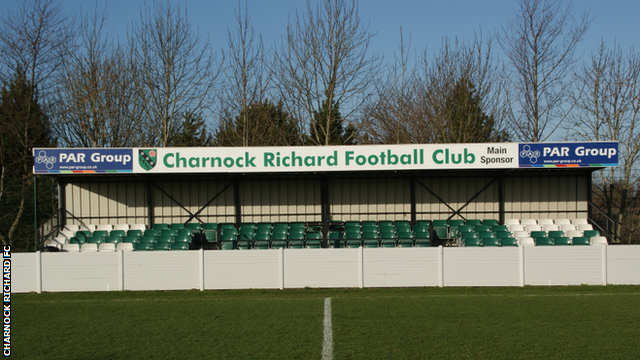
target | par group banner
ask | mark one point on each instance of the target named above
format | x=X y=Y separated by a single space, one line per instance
x=593 y=154
x=321 y=158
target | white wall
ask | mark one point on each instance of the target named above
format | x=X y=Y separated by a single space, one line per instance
x=330 y=268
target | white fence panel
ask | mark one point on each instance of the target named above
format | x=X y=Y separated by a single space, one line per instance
x=563 y=265
x=97 y=271
x=242 y=269
x=328 y=268
x=623 y=264
x=481 y=266
x=24 y=274
x=170 y=270
x=400 y=267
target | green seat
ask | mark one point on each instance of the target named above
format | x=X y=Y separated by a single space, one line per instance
x=296 y=244
x=504 y=234
x=162 y=246
x=207 y=227
x=244 y=244
x=423 y=242
x=167 y=232
x=131 y=239
x=439 y=223
x=179 y=246
x=82 y=235
x=371 y=243
x=441 y=232
x=165 y=239
x=211 y=236
x=556 y=234
x=388 y=243
x=469 y=235
x=119 y=233
x=177 y=226
x=474 y=222
x=137 y=233
x=543 y=241
x=160 y=226
x=490 y=222
x=562 y=241
x=279 y=244
x=314 y=244
x=496 y=228
x=113 y=239
x=227 y=245
x=262 y=241
x=405 y=242
x=100 y=233
x=491 y=242
x=185 y=232
x=144 y=246
x=508 y=241
x=581 y=241
x=591 y=233
x=95 y=240
x=148 y=239
x=181 y=239
x=482 y=228
x=538 y=234
x=487 y=235
x=465 y=228
x=151 y=232
x=472 y=242
x=195 y=227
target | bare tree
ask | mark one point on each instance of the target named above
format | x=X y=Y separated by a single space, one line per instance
x=415 y=105
x=540 y=42
x=95 y=102
x=176 y=70
x=322 y=63
x=609 y=110
x=246 y=82
x=33 y=39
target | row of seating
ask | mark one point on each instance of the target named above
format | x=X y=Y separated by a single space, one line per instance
x=110 y=247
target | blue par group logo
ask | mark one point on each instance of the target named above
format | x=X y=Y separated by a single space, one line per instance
x=533 y=155
x=42 y=158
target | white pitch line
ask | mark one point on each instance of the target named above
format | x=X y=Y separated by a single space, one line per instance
x=327 y=345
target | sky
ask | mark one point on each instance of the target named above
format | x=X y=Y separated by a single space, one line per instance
x=425 y=21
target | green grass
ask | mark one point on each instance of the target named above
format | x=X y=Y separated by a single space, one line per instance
x=580 y=322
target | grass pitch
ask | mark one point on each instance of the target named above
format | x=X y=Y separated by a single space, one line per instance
x=581 y=322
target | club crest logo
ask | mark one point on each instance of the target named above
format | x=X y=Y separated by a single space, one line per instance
x=147 y=158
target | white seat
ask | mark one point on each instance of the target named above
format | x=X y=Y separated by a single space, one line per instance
x=574 y=233
x=58 y=241
x=142 y=227
x=563 y=222
x=567 y=227
x=525 y=222
x=107 y=247
x=72 y=227
x=70 y=247
x=511 y=222
x=88 y=227
x=104 y=227
x=579 y=221
x=89 y=247
x=546 y=222
x=599 y=240
x=124 y=227
x=550 y=227
x=530 y=228
x=526 y=241
x=513 y=228
x=520 y=234
x=68 y=234
x=125 y=247
x=583 y=227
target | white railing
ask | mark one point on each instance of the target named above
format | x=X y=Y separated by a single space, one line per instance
x=327 y=268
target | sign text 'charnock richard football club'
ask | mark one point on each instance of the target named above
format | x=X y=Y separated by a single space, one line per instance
x=324 y=158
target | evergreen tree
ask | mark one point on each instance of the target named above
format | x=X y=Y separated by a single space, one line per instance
x=327 y=127
x=193 y=132
x=23 y=126
x=262 y=124
x=466 y=121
